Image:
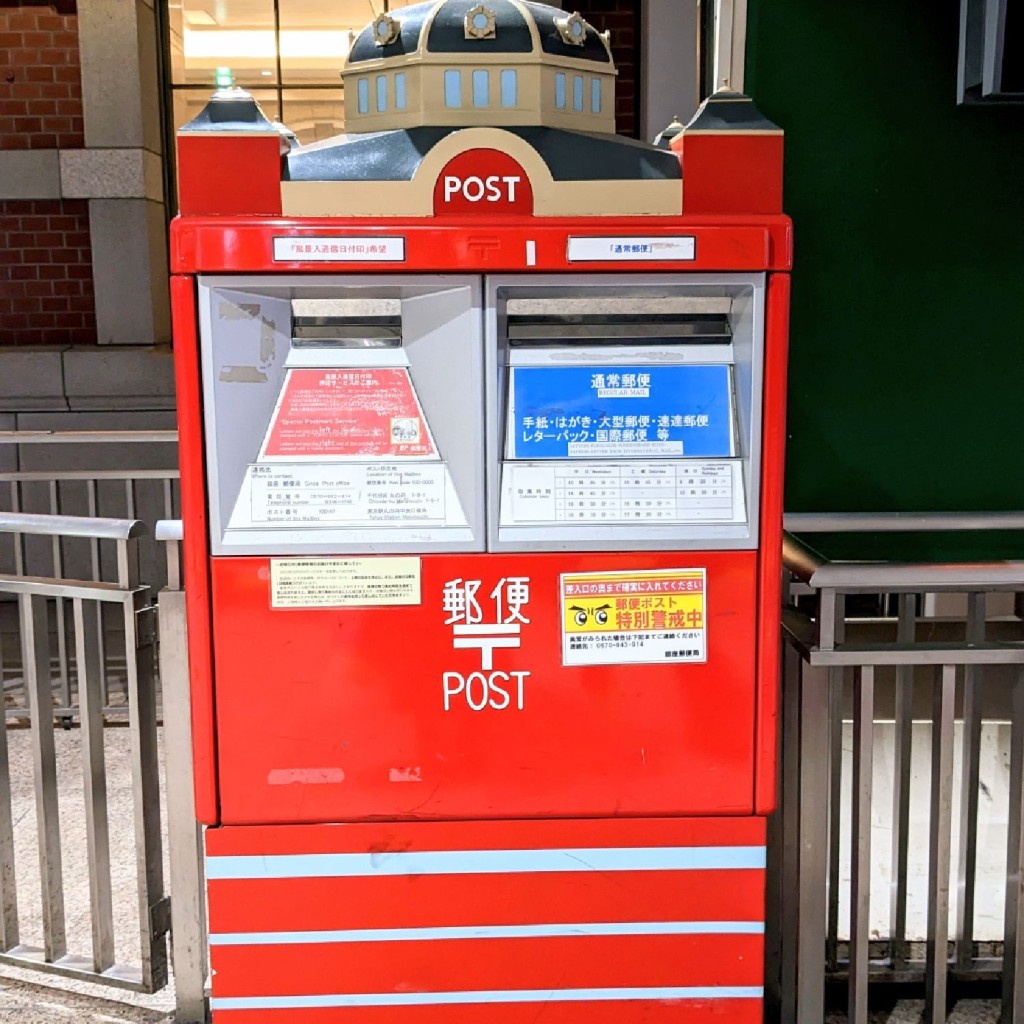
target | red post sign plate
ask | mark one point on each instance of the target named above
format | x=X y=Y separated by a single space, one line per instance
x=483 y=181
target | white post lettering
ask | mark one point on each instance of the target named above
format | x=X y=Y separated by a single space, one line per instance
x=520 y=678
x=449 y=678
x=482 y=679
x=451 y=186
x=500 y=691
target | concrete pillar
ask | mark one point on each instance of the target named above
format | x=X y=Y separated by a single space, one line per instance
x=119 y=171
x=670 y=77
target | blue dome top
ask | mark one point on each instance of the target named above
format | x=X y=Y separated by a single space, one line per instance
x=447 y=32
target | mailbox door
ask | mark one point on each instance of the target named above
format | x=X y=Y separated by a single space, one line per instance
x=481 y=695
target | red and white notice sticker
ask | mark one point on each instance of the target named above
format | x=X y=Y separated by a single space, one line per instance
x=353 y=414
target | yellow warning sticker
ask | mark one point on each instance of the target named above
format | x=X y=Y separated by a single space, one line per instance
x=651 y=616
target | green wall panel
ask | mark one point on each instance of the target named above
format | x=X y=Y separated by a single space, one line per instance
x=907 y=366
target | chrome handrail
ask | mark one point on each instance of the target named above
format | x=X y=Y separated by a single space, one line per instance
x=88 y=436
x=901 y=522
x=38 y=524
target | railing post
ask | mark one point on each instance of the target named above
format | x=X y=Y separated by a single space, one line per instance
x=35 y=647
x=184 y=836
x=9 y=936
x=812 y=854
x=788 y=829
x=967 y=861
x=902 y=751
x=860 y=830
x=836 y=692
x=141 y=668
x=90 y=696
x=1013 y=929
x=939 y=842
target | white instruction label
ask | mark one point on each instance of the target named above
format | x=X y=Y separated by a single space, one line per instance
x=633 y=492
x=344 y=582
x=378 y=494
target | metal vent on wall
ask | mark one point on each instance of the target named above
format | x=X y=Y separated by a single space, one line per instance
x=991 y=66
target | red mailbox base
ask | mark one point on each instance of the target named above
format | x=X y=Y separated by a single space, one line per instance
x=636 y=920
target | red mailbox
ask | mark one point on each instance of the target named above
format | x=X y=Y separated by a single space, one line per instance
x=482 y=430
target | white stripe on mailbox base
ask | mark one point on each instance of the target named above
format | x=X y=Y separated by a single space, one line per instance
x=487 y=862
x=566 y=995
x=464 y=932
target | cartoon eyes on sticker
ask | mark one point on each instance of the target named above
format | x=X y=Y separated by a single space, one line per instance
x=582 y=615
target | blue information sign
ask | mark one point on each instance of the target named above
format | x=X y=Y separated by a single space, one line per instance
x=601 y=412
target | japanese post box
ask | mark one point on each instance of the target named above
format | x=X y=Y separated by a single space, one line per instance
x=482 y=421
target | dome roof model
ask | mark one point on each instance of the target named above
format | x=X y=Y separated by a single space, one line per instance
x=460 y=63
x=478 y=92
x=500 y=26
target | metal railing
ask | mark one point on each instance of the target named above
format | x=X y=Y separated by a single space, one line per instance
x=839 y=667
x=37 y=598
x=182 y=914
x=147 y=494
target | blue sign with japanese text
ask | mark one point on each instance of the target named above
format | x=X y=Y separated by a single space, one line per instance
x=601 y=412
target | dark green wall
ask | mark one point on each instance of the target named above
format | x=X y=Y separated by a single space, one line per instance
x=907 y=366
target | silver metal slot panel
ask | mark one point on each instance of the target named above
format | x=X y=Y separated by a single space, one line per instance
x=347 y=332
x=343 y=438
x=553 y=330
x=624 y=412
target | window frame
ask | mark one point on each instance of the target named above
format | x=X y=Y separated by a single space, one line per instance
x=561 y=90
x=509 y=76
x=452 y=79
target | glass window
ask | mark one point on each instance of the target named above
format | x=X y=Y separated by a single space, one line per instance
x=452 y=88
x=481 y=89
x=577 y=93
x=234 y=34
x=287 y=53
x=595 y=95
x=382 y=93
x=509 y=88
x=313 y=39
x=560 y=90
x=314 y=114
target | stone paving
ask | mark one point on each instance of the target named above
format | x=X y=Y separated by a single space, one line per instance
x=26 y=996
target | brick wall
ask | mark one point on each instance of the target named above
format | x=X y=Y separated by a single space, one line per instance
x=622 y=19
x=46 y=284
x=46 y=291
x=40 y=77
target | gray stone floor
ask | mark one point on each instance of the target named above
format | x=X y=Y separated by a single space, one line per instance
x=911 y=1011
x=24 y=1003
x=26 y=996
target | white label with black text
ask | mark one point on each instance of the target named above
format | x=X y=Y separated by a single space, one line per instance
x=642 y=249
x=327 y=249
x=349 y=495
